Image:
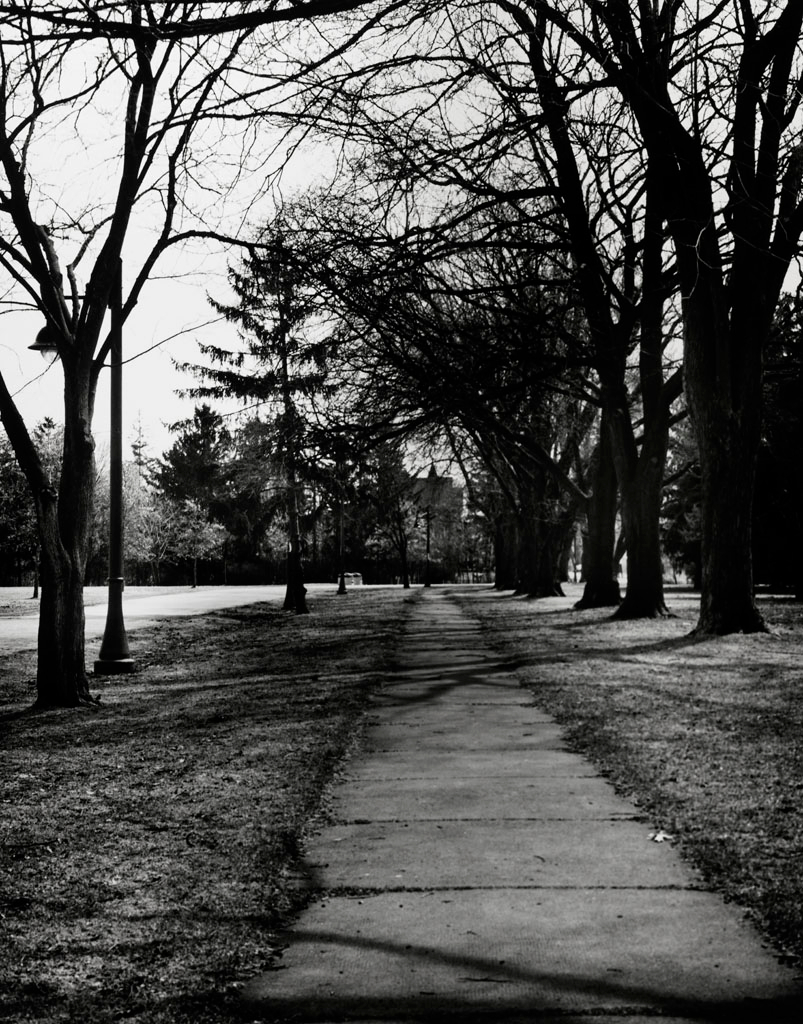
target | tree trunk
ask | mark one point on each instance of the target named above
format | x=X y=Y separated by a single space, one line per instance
x=505 y=547
x=542 y=536
x=641 y=509
x=641 y=514
x=527 y=555
x=565 y=559
x=295 y=598
x=795 y=542
x=723 y=385
x=599 y=569
x=296 y=594
x=401 y=544
x=61 y=679
x=727 y=603
x=553 y=543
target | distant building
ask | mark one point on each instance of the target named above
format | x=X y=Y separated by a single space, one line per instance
x=440 y=494
x=441 y=503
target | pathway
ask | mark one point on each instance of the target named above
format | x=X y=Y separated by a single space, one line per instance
x=476 y=870
x=140 y=609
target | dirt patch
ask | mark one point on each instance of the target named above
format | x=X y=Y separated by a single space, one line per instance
x=148 y=848
x=706 y=736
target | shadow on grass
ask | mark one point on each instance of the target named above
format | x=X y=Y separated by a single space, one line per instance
x=190 y=786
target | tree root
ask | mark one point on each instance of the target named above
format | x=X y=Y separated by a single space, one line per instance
x=88 y=700
x=625 y=614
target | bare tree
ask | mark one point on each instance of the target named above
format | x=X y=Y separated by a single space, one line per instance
x=475 y=112
x=724 y=152
x=448 y=333
x=171 y=87
x=718 y=153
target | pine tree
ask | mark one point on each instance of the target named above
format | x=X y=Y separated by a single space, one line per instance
x=278 y=368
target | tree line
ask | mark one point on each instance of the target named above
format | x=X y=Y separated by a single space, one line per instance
x=212 y=509
x=553 y=232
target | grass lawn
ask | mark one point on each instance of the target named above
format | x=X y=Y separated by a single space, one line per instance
x=706 y=736
x=147 y=847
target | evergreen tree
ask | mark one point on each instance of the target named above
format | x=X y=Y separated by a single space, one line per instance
x=195 y=467
x=279 y=368
x=19 y=539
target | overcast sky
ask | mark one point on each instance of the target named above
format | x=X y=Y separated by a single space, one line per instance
x=73 y=164
x=161 y=329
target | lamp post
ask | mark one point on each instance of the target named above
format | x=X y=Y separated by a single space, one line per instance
x=115 y=657
x=114 y=654
x=427 y=579
x=341 y=582
x=45 y=344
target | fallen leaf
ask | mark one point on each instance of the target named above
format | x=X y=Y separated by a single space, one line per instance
x=660 y=836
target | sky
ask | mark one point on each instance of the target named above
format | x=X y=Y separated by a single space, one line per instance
x=74 y=167
x=172 y=316
x=170 y=319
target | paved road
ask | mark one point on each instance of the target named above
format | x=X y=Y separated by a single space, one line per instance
x=20 y=632
x=140 y=611
x=475 y=870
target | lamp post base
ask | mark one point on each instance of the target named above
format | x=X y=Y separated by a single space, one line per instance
x=114 y=667
x=115 y=658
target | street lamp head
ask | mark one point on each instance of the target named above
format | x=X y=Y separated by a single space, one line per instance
x=46 y=343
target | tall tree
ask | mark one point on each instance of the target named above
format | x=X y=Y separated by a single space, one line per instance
x=19 y=538
x=776 y=517
x=543 y=145
x=461 y=326
x=724 y=151
x=398 y=512
x=19 y=535
x=281 y=365
x=601 y=588
x=172 y=75
x=719 y=155
x=194 y=468
x=195 y=537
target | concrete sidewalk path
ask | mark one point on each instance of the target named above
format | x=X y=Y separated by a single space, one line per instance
x=476 y=870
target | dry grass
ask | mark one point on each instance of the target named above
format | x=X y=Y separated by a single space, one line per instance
x=706 y=736
x=148 y=847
